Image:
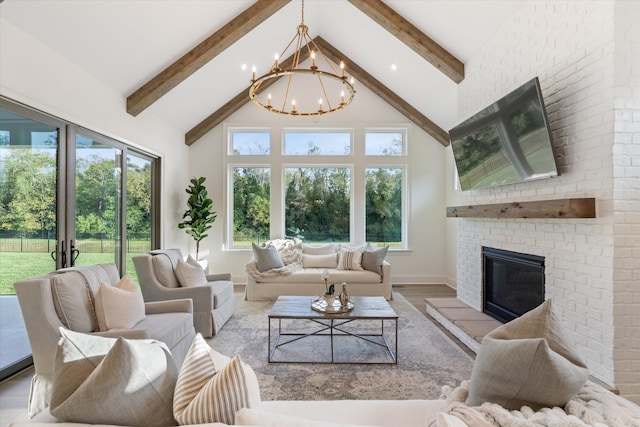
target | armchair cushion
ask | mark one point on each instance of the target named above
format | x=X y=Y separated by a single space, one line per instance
x=73 y=303
x=164 y=264
x=190 y=275
x=113 y=381
x=120 y=306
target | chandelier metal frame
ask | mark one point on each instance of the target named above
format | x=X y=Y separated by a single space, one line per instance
x=302 y=41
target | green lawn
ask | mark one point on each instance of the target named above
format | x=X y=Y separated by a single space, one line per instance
x=23 y=265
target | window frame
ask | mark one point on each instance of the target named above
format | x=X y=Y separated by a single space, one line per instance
x=358 y=162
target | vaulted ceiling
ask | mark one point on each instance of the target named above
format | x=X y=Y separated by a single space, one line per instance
x=182 y=59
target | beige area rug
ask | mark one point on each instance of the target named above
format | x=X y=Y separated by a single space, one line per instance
x=427 y=359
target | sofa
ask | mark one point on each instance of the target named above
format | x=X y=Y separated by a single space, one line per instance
x=165 y=275
x=67 y=298
x=525 y=375
x=291 y=267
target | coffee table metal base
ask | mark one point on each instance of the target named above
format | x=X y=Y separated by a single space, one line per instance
x=331 y=329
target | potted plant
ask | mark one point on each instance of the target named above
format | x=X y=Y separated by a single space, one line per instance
x=200 y=215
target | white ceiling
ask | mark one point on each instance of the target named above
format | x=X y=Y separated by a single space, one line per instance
x=125 y=43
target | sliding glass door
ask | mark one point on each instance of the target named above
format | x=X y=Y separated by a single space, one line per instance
x=68 y=197
x=29 y=232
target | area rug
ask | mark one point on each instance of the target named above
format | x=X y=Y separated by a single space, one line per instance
x=427 y=359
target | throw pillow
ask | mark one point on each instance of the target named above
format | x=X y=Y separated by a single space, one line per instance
x=73 y=302
x=350 y=259
x=320 y=261
x=120 y=306
x=372 y=259
x=329 y=248
x=189 y=275
x=267 y=257
x=527 y=362
x=99 y=380
x=211 y=388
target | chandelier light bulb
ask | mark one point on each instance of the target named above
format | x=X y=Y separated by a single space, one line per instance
x=253 y=69
x=293 y=105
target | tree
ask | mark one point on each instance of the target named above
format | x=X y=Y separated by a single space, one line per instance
x=200 y=215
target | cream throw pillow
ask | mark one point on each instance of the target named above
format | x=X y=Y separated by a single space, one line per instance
x=73 y=302
x=527 y=362
x=350 y=259
x=120 y=306
x=211 y=388
x=99 y=380
x=320 y=261
x=190 y=275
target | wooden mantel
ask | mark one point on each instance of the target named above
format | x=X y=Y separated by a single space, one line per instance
x=558 y=208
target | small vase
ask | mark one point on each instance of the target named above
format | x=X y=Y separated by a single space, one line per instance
x=329 y=299
x=344 y=295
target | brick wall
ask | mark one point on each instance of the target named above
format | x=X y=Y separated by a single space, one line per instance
x=585 y=65
x=626 y=198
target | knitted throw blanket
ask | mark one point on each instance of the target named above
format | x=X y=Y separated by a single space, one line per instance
x=592 y=406
x=290 y=251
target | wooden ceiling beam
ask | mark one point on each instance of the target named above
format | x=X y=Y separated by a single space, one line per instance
x=361 y=76
x=200 y=55
x=410 y=35
x=374 y=85
x=236 y=103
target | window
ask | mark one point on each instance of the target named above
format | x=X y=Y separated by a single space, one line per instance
x=317 y=203
x=251 y=205
x=317 y=143
x=384 y=143
x=250 y=142
x=383 y=194
x=306 y=186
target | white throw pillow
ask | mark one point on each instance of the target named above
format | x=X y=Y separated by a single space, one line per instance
x=326 y=249
x=211 y=388
x=320 y=261
x=350 y=259
x=190 y=275
x=120 y=306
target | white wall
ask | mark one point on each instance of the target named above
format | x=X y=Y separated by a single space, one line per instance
x=575 y=50
x=32 y=74
x=422 y=263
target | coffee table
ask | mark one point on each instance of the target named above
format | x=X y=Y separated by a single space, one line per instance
x=332 y=326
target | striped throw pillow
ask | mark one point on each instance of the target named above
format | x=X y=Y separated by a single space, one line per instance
x=206 y=393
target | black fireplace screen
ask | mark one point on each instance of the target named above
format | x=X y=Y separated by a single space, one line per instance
x=513 y=283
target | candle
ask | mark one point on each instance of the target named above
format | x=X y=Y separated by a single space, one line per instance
x=293 y=106
x=342 y=68
x=269 y=100
x=320 y=104
x=253 y=69
x=276 y=58
x=342 y=97
x=313 y=59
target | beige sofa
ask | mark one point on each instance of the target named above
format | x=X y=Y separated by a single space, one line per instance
x=213 y=303
x=66 y=298
x=304 y=266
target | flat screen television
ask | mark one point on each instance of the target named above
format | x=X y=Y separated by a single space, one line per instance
x=507 y=142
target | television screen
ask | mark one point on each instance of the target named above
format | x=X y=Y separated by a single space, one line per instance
x=507 y=142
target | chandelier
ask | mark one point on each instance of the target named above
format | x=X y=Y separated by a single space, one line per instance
x=310 y=91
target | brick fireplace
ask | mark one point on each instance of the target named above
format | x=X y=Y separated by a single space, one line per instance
x=588 y=70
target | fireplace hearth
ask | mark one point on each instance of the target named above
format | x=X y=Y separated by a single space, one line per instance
x=513 y=283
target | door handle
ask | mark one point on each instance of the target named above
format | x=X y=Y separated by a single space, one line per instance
x=74 y=254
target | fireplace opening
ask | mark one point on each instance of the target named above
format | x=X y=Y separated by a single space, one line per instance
x=513 y=283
